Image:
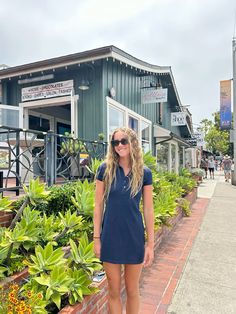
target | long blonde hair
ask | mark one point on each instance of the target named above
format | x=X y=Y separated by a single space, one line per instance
x=136 y=163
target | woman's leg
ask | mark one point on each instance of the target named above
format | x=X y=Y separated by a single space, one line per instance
x=132 y=276
x=113 y=273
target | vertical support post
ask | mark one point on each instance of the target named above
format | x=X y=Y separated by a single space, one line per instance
x=234 y=107
x=50 y=158
x=17 y=161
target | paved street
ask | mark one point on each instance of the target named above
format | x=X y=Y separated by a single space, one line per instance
x=195 y=270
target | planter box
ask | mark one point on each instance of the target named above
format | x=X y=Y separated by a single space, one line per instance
x=5 y=218
x=98 y=303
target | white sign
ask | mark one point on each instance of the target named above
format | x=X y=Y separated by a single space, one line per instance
x=178 y=118
x=200 y=138
x=154 y=95
x=47 y=90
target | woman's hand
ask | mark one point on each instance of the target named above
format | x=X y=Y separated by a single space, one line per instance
x=148 y=256
x=97 y=247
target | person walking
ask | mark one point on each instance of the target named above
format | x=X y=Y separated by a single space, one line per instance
x=211 y=167
x=204 y=165
x=226 y=165
x=119 y=234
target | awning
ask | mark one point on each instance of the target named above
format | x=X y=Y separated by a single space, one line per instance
x=163 y=135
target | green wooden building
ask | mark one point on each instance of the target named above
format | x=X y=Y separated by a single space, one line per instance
x=95 y=91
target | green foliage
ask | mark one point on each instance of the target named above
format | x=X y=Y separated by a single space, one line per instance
x=150 y=160
x=83 y=255
x=71 y=146
x=217 y=140
x=45 y=259
x=164 y=208
x=95 y=163
x=84 y=198
x=36 y=192
x=184 y=205
x=5 y=204
x=57 y=282
x=80 y=286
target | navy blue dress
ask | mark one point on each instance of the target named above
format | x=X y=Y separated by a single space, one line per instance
x=122 y=235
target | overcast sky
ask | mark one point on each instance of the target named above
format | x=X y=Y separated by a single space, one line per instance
x=194 y=37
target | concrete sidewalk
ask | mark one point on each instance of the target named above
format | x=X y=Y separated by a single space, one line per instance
x=208 y=281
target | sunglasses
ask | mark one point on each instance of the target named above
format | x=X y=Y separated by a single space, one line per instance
x=123 y=141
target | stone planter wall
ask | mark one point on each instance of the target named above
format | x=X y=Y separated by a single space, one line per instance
x=98 y=303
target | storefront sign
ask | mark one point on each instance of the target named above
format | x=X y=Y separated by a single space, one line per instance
x=178 y=118
x=191 y=141
x=225 y=105
x=154 y=95
x=200 y=138
x=47 y=90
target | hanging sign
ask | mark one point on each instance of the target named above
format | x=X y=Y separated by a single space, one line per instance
x=47 y=90
x=178 y=118
x=225 y=105
x=200 y=138
x=154 y=95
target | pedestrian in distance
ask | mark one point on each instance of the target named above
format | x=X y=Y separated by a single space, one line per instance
x=204 y=166
x=119 y=234
x=226 y=165
x=211 y=167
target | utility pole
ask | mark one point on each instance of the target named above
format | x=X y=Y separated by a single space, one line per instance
x=234 y=106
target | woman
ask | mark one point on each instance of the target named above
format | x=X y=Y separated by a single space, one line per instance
x=118 y=225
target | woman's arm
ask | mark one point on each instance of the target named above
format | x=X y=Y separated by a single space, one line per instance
x=149 y=224
x=97 y=217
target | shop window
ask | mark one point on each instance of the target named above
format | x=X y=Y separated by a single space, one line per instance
x=145 y=133
x=116 y=119
x=133 y=124
x=173 y=159
x=162 y=156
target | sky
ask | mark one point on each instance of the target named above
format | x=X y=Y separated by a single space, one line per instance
x=194 y=37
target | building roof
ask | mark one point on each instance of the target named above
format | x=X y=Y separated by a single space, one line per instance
x=81 y=57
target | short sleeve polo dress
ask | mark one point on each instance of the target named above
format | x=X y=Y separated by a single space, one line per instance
x=122 y=235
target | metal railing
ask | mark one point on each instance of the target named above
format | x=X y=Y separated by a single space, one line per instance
x=54 y=158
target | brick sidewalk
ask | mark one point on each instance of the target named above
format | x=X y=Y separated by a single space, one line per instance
x=158 y=282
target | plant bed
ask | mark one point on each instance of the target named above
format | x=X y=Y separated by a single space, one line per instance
x=98 y=303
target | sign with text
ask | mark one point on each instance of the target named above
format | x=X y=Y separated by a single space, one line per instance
x=200 y=138
x=178 y=118
x=191 y=141
x=154 y=95
x=56 y=89
x=225 y=105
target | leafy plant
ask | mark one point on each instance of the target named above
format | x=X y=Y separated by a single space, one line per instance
x=45 y=259
x=184 y=205
x=83 y=255
x=95 y=163
x=80 y=286
x=84 y=198
x=34 y=193
x=57 y=282
x=5 y=204
x=71 y=146
x=69 y=222
x=164 y=208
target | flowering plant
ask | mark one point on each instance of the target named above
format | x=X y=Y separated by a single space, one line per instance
x=15 y=301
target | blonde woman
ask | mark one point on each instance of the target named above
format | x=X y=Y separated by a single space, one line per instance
x=121 y=181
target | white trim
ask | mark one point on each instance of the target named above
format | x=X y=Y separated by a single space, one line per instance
x=128 y=112
x=57 y=101
x=8 y=107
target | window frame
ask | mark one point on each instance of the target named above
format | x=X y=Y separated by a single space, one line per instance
x=128 y=112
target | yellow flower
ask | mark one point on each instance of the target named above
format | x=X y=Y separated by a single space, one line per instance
x=29 y=294
x=40 y=296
